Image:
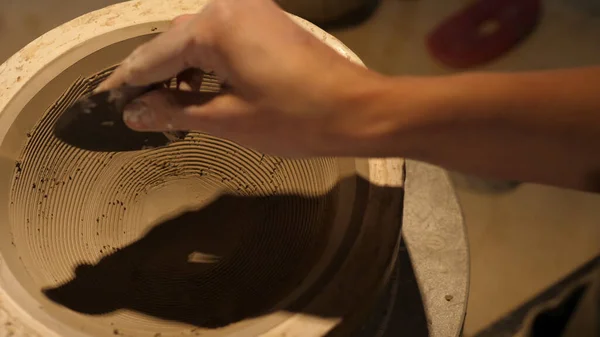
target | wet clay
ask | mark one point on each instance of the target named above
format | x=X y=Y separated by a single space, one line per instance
x=202 y=237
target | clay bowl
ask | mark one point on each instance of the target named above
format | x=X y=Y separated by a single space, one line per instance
x=203 y=237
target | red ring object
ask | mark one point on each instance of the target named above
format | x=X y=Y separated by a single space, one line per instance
x=483 y=31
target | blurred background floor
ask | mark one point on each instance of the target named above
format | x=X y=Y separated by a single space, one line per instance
x=522 y=240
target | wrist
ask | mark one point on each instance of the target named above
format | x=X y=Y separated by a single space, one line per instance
x=384 y=116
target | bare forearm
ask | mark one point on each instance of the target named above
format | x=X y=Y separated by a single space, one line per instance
x=539 y=126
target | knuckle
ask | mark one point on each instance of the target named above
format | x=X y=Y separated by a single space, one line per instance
x=181 y=19
x=221 y=13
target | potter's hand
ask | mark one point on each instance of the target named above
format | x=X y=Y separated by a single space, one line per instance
x=285 y=87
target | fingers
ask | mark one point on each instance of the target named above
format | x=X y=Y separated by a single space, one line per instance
x=165 y=110
x=154 y=61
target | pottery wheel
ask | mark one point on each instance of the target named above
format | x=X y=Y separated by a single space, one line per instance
x=202 y=237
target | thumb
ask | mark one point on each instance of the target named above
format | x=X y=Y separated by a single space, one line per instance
x=167 y=110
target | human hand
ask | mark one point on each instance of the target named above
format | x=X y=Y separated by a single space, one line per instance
x=287 y=92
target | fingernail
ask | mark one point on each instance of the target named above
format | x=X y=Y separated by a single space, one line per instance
x=138 y=115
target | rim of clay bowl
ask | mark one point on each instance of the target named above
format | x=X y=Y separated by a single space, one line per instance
x=24 y=75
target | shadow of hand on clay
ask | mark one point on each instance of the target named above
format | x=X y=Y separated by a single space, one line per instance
x=228 y=261
x=234 y=259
